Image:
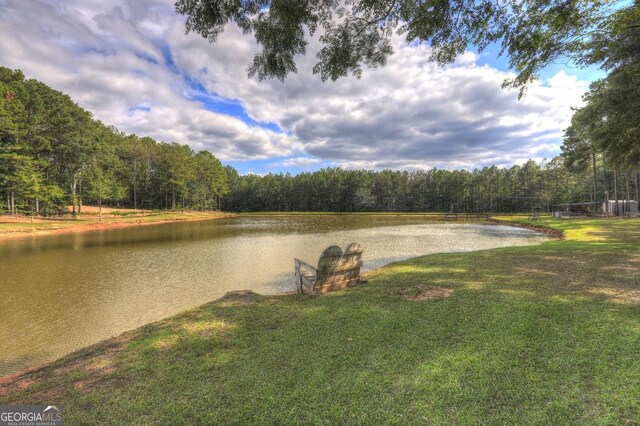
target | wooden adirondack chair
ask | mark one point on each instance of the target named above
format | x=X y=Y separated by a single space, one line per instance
x=336 y=270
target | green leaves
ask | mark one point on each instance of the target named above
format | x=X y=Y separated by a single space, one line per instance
x=610 y=120
x=103 y=185
x=210 y=180
x=357 y=33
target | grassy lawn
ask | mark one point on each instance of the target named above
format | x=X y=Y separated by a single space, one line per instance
x=545 y=335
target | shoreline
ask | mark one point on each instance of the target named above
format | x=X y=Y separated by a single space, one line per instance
x=552 y=233
x=69 y=226
x=88 y=223
x=234 y=294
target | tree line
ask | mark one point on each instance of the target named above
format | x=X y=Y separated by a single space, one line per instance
x=604 y=136
x=53 y=153
x=487 y=190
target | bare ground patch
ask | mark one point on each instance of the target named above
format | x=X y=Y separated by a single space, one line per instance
x=238 y=297
x=423 y=292
x=617 y=295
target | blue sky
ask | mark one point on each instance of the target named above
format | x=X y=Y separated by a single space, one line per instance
x=490 y=58
x=132 y=65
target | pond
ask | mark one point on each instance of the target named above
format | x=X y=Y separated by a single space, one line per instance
x=63 y=292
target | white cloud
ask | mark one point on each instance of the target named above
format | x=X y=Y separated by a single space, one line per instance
x=297 y=162
x=410 y=114
x=109 y=59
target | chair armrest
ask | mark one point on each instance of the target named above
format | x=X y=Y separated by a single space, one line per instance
x=300 y=264
x=303 y=264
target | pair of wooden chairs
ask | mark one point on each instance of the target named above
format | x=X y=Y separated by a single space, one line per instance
x=336 y=270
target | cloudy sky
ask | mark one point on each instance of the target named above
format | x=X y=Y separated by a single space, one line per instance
x=131 y=64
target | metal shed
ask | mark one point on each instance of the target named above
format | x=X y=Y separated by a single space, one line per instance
x=621 y=207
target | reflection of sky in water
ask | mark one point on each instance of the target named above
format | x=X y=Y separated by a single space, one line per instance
x=64 y=292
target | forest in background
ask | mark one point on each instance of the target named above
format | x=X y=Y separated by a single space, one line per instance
x=489 y=190
x=53 y=153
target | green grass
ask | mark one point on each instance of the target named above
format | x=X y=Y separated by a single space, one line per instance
x=545 y=335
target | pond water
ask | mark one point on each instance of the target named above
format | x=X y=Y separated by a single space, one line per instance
x=63 y=292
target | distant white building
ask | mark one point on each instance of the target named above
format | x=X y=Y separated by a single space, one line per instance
x=629 y=207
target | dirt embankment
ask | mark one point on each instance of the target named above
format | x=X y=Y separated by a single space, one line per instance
x=12 y=227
